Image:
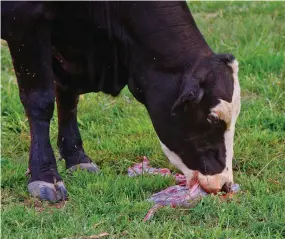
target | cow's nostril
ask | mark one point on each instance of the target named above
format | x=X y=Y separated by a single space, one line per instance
x=227 y=187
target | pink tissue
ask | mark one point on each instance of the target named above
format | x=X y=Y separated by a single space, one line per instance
x=174 y=196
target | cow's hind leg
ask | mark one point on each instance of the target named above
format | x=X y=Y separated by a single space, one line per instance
x=31 y=53
x=69 y=139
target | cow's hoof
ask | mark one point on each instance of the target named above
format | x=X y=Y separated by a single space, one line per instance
x=48 y=191
x=89 y=167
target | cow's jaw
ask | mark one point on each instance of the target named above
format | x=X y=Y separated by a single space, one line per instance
x=210 y=183
x=177 y=162
x=214 y=183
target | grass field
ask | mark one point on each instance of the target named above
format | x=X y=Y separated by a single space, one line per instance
x=118 y=130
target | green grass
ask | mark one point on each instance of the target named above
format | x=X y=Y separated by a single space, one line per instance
x=118 y=130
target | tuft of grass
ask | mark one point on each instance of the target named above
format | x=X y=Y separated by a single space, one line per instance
x=118 y=130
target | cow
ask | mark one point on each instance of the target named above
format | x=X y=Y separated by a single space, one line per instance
x=61 y=50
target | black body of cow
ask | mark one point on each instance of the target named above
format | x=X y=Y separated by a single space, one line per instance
x=64 y=49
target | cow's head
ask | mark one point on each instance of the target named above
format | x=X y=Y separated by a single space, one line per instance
x=200 y=139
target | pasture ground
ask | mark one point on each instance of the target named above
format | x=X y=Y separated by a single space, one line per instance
x=118 y=130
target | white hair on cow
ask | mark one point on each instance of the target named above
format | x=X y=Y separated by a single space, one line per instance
x=234 y=112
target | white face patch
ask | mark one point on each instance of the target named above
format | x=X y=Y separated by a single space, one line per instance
x=229 y=111
x=176 y=161
x=223 y=111
x=229 y=134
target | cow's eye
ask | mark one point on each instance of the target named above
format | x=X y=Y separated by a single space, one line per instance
x=213 y=118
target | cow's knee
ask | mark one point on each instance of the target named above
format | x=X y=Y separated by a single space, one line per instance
x=39 y=104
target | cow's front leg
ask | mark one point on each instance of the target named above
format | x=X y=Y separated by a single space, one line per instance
x=69 y=139
x=31 y=54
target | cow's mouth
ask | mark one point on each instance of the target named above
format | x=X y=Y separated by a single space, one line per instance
x=211 y=183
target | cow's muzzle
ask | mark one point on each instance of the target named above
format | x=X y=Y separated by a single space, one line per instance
x=212 y=183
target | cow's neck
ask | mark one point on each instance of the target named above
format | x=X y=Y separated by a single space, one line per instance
x=160 y=40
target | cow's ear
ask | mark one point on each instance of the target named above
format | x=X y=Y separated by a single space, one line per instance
x=190 y=93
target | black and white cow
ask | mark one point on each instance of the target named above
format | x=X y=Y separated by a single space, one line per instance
x=64 y=49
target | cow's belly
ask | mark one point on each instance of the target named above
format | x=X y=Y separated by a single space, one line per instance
x=91 y=75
